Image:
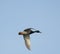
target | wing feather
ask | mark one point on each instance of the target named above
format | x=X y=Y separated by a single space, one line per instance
x=27 y=41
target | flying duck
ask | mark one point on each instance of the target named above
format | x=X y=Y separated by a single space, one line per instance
x=26 y=35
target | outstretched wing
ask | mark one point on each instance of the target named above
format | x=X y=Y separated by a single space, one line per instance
x=27 y=41
x=28 y=29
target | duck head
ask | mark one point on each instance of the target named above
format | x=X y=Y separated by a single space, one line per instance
x=20 y=33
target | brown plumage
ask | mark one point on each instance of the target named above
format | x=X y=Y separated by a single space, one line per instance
x=26 y=35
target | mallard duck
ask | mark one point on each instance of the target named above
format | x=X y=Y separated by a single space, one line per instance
x=26 y=35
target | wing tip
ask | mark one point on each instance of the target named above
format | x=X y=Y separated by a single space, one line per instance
x=29 y=49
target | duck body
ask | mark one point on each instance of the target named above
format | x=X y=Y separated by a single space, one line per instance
x=29 y=31
x=26 y=35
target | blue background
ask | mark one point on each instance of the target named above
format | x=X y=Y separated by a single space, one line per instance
x=16 y=15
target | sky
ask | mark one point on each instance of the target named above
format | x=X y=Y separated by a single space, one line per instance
x=17 y=15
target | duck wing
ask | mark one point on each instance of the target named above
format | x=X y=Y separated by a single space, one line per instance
x=27 y=41
x=30 y=29
x=27 y=30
